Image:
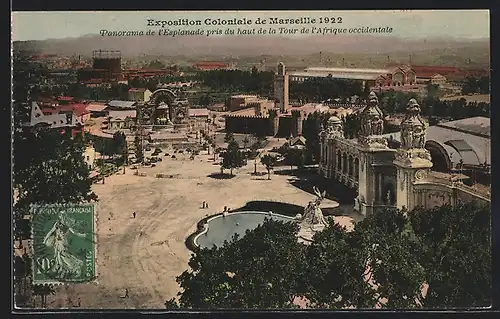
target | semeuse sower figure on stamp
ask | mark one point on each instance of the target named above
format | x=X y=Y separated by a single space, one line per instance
x=65 y=263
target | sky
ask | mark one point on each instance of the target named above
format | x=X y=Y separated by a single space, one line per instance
x=404 y=23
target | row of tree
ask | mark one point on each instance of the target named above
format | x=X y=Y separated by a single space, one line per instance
x=254 y=81
x=394 y=102
x=321 y=89
x=426 y=258
x=476 y=85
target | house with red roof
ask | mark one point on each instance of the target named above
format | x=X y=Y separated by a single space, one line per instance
x=78 y=109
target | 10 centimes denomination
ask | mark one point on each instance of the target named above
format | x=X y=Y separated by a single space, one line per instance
x=63 y=243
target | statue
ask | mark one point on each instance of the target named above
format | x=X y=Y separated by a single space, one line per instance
x=372 y=122
x=313 y=215
x=413 y=130
x=334 y=127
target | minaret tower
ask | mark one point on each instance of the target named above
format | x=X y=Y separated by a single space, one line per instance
x=412 y=161
x=371 y=142
x=281 y=88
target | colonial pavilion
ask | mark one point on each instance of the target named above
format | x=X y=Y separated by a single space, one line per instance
x=388 y=176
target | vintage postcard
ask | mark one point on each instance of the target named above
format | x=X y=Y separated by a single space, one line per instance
x=252 y=160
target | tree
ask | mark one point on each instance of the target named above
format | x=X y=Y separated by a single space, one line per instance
x=48 y=164
x=484 y=85
x=455 y=251
x=269 y=161
x=228 y=137
x=432 y=91
x=263 y=269
x=232 y=158
x=470 y=85
x=119 y=143
x=336 y=270
x=49 y=167
x=139 y=153
x=391 y=262
x=352 y=125
x=205 y=100
x=295 y=157
x=245 y=142
x=385 y=260
x=310 y=130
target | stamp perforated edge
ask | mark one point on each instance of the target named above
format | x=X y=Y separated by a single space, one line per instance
x=33 y=208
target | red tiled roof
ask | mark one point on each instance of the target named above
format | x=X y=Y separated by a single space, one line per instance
x=80 y=111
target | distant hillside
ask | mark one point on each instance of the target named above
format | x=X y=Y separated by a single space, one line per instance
x=247 y=46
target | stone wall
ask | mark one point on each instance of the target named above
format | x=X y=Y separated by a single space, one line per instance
x=250 y=125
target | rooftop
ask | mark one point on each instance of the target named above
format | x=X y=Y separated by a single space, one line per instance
x=338 y=75
x=348 y=70
x=468 y=146
x=123 y=114
x=122 y=104
x=96 y=107
x=474 y=125
x=198 y=112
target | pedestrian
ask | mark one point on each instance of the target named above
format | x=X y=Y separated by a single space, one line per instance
x=126 y=293
x=133 y=214
x=206 y=205
x=203 y=205
x=225 y=208
x=79 y=302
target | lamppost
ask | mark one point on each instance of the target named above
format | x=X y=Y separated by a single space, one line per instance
x=255 y=166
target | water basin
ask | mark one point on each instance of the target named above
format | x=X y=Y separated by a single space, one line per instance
x=220 y=228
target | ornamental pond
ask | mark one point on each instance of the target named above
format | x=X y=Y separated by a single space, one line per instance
x=222 y=227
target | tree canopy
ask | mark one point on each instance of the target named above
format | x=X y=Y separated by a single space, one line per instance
x=232 y=157
x=253 y=81
x=260 y=270
x=48 y=164
x=269 y=161
x=322 y=89
x=388 y=260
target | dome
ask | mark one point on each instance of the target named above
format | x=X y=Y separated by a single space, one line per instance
x=334 y=119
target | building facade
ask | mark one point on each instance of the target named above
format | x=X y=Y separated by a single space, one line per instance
x=383 y=176
x=139 y=94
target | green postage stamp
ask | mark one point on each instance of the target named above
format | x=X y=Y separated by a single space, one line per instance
x=63 y=243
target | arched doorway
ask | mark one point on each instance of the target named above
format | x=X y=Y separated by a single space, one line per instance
x=440 y=159
x=163 y=97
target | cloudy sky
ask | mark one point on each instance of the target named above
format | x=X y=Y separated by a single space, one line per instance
x=409 y=23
